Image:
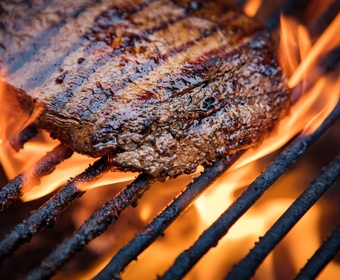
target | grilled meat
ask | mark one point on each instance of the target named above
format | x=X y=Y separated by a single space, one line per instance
x=162 y=86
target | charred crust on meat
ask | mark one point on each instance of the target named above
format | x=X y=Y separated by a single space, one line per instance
x=162 y=86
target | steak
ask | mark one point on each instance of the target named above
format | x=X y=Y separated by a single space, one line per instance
x=160 y=86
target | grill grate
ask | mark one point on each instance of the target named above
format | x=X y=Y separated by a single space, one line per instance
x=209 y=238
x=93 y=227
x=246 y=268
x=109 y=213
x=322 y=256
x=14 y=189
x=149 y=234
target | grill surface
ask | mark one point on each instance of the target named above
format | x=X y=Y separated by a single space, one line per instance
x=47 y=215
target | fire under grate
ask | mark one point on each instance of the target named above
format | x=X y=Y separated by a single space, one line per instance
x=109 y=213
x=47 y=215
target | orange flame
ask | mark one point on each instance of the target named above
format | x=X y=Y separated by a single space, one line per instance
x=328 y=40
x=35 y=149
x=315 y=96
x=11 y=122
x=251 y=7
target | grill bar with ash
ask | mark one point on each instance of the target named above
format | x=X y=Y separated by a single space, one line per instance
x=48 y=213
x=26 y=180
x=322 y=256
x=149 y=234
x=93 y=227
x=109 y=213
x=246 y=268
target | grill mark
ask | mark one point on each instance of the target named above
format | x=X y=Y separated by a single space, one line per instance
x=179 y=49
x=197 y=74
x=48 y=57
x=129 y=112
x=126 y=48
x=30 y=7
x=189 y=11
x=162 y=59
x=44 y=71
x=39 y=42
x=84 y=73
x=150 y=64
x=128 y=43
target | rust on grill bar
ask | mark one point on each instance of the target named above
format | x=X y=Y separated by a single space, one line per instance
x=247 y=267
x=48 y=213
x=322 y=256
x=94 y=226
x=31 y=177
x=149 y=234
x=220 y=227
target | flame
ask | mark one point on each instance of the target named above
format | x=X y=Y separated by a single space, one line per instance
x=315 y=101
x=251 y=7
x=12 y=121
x=315 y=95
x=328 y=40
x=35 y=149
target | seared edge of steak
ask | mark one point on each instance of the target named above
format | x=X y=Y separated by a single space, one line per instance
x=235 y=111
x=163 y=93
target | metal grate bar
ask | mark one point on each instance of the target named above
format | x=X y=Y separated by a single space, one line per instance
x=247 y=267
x=48 y=213
x=220 y=227
x=31 y=177
x=94 y=226
x=17 y=142
x=156 y=228
x=322 y=256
